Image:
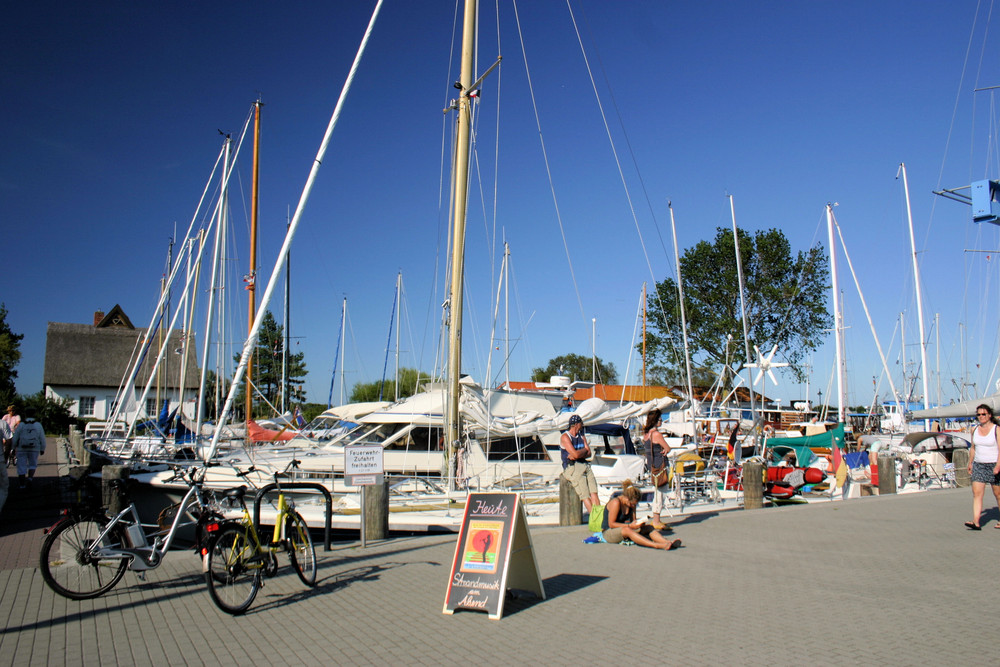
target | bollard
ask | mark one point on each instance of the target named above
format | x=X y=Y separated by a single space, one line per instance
x=753 y=485
x=76 y=446
x=570 y=505
x=960 y=457
x=886 y=475
x=376 y=510
x=112 y=498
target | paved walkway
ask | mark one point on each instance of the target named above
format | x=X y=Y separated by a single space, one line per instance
x=892 y=580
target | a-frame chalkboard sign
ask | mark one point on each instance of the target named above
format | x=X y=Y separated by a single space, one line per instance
x=493 y=554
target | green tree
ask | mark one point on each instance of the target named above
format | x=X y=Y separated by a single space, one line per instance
x=54 y=415
x=410 y=380
x=576 y=367
x=267 y=370
x=10 y=355
x=312 y=410
x=785 y=300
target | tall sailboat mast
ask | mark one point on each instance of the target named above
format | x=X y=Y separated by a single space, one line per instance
x=924 y=368
x=286 y=328
x=838 y=328
x=743 y=310
x=252 y=283
x=460 y=181
x=680 y=299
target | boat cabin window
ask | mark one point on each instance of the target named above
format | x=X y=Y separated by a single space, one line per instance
x=420 y=438
x=502 y=449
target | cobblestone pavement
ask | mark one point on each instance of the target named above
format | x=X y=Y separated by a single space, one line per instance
x=871 y=581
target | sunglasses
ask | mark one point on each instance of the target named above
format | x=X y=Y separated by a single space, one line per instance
x=982 y=414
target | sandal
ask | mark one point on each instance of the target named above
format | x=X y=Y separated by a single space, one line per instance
x=997 y=525
x=673 y=545
x=972 y=526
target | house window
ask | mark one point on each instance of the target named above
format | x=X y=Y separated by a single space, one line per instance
x=110 y=404
x=86 y=406
x=150 y=407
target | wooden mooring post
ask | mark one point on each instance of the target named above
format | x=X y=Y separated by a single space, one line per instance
x=960 y=458
x=570 y=505
x=375 y=511
x=111 y=495
x=753 y=485
x=886 y=475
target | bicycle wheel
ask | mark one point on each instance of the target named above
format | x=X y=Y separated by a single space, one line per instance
x=232 y=572
x=70 y=565
x=300 y=548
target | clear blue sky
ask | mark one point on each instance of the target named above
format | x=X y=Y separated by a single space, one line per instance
x=111 y=114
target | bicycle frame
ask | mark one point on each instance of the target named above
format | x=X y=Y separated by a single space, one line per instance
x=145 y=556
x=284 y=508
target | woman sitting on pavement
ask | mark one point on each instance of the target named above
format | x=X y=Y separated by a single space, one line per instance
x=619 y=522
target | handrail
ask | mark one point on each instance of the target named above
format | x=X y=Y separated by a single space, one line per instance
x=267 y=488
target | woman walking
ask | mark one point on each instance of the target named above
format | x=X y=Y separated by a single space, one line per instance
x=984 y=462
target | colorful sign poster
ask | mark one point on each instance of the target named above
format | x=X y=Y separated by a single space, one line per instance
x=493 y=553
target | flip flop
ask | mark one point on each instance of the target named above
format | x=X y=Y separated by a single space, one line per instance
x=673 y=545
x=997 y=525
x=972 y=526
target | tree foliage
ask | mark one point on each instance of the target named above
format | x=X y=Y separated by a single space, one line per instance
x=785 y=299
x=410 y=380
x=53 y=414
x=10 y=356
x=267 y=371
x=577 y=367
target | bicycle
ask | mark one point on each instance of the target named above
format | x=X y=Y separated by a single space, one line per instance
x=87 y=552
x=235 y=559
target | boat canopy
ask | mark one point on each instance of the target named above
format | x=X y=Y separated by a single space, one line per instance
x=833 y=437
x=507 y=414
x=964 y=409
x=926 y=441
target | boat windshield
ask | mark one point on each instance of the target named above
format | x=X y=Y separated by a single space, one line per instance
x=326 y=427
x=373 y=433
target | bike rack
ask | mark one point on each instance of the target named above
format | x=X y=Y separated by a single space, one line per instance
x=264 y=490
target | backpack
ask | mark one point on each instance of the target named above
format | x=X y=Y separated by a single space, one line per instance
x=596 y=523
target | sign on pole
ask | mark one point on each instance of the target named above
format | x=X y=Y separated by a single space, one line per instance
x=362 y=464
x=494 y=553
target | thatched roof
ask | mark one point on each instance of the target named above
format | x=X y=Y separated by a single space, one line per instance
x=98 y=356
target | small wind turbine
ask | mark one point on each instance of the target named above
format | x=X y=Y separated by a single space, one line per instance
x=765 y=364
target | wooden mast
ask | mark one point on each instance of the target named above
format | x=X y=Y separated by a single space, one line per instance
x=252 y=283
x=461 y=180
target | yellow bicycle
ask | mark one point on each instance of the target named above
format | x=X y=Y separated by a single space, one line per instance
x=235 y=559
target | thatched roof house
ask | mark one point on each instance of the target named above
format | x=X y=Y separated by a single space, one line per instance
x=87 y=363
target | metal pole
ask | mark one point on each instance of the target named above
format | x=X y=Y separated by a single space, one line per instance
x=680 y=296
x=743 y=310
x=837 y=327
x=920 y=300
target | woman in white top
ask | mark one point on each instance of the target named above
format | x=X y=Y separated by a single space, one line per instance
x=984 y=462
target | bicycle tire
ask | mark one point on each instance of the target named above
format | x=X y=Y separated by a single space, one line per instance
x=301 y=551
x=231 y=570
x=70 y=569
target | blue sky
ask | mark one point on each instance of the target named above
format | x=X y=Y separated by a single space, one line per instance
x=111 y=119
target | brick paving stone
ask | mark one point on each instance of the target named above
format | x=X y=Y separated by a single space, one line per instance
x=885 y=580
